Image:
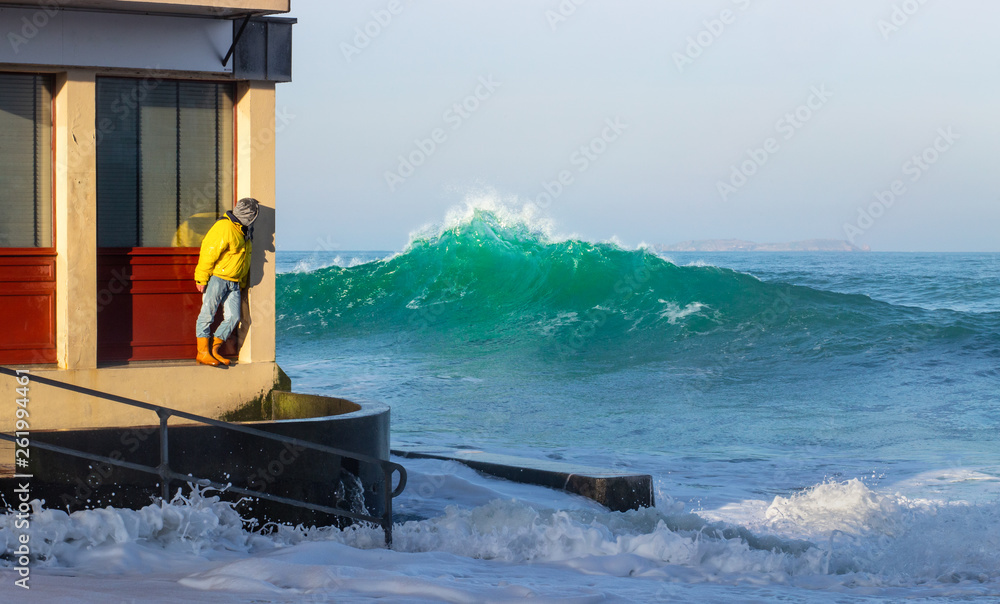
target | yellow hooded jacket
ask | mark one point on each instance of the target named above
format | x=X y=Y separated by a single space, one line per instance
x=225 y=253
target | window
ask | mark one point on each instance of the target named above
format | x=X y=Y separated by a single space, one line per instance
x=164 y=161
x=26 y=160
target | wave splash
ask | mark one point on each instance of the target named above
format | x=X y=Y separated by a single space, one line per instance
x=831 y=536
x=493 y=276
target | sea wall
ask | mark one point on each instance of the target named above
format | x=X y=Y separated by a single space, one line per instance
x=246 y=461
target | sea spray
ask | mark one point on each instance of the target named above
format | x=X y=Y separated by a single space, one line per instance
x=935 y=547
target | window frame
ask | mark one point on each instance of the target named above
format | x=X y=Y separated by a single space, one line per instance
x=234 y=154
x=50 y=249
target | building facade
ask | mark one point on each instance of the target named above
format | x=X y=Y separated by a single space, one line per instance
x=126 y=129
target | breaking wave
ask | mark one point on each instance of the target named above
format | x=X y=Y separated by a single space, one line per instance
x=835 y=535
x=491 y=276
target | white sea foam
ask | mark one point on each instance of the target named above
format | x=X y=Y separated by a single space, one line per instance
x=673 y=313
x=699 y=264
x=508 y=210
x=664 y=257
x=851 y=508
x=548 y=326
x=315 y=263
x=111 y=540
x=488 y=540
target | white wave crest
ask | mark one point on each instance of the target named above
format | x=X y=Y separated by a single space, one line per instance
x=506 y=210
x=308 y=265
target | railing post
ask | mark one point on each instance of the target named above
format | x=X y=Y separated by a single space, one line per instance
x=387 y=512
x=164 y=467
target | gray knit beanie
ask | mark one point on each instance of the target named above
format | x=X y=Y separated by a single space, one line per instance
x=246 y=210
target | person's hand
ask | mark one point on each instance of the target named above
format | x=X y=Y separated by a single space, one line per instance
x=201 y=287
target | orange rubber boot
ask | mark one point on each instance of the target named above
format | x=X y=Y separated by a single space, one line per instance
x=216 y=345
x=204 y=357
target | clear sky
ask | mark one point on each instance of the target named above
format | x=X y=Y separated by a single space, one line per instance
x=667 y=120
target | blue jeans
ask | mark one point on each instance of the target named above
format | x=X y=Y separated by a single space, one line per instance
x=219 y=291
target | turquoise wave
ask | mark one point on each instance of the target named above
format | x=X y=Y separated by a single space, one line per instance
x=486 y=282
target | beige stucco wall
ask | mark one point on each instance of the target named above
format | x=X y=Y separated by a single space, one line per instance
x=76 y=219
x=181 y=385
x=255 y=177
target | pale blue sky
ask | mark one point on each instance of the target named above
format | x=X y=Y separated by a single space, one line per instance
x=890 y=94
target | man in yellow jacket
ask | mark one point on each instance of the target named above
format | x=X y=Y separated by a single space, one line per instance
x=223 y=267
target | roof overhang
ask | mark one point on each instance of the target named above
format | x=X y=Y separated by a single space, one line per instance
x=192 y=8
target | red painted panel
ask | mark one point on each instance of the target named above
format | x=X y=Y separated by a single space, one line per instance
x=26 y=272
x=27 y=306
x=147 y=304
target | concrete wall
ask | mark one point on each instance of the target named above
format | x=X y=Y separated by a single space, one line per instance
x=177 y=384
x=245 y=461
x=182 y=385
x=255 y=177
x=75 y=190
x=36 y=36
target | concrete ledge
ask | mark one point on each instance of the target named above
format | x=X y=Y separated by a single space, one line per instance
x=618 y=491
x=241 y=390
x=294 y=405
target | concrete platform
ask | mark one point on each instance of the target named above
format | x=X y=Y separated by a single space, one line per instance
x=181 y=385
x=618 y=491
x=249 y=462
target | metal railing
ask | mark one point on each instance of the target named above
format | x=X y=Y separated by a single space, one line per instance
x=166 y=474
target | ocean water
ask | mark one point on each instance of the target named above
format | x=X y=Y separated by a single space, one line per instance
x=492 y=333
x=820 y=427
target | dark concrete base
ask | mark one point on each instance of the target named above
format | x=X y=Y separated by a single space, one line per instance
x=250 y=462
x=618 y=491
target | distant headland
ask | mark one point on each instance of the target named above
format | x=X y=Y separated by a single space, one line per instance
x=739 y=245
